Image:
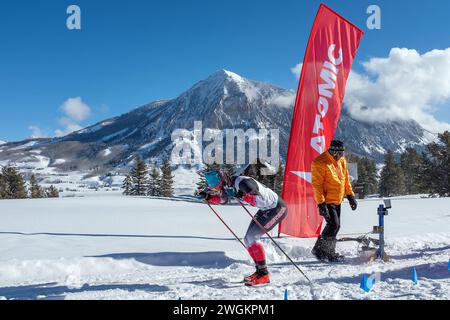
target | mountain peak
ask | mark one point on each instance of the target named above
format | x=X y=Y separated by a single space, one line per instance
x=225 y=75
x=220 y=85
x=233 y=76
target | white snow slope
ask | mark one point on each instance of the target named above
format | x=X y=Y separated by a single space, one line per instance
x=114 y=247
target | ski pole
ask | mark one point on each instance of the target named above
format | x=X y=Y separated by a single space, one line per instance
x=237 y=238
x=263 y=229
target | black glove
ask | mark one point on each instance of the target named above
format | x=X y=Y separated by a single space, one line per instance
x=204 y=195
x=240 y=194
x=353 y=203
x=323 y=211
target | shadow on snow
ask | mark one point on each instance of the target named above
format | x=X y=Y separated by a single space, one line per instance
x=111 y=235
x=213 y=259
x=421 y=253
x=52 y=291
x=430 y=271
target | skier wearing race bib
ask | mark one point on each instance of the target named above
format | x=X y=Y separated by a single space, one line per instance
x=272 y=209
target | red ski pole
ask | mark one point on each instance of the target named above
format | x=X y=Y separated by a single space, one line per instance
x=263 y=229
x=237 y=238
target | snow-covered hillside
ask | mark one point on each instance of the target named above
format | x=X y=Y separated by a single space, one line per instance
x=73 y=182
x=105 y=246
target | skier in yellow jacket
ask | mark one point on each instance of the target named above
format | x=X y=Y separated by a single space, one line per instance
x=330 y=181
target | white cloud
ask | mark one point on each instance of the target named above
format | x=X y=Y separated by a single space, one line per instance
x=297 y=70
x=285 y=101
x=72 y=127
x=405 y=85
x=75 y=111
x=36 y=132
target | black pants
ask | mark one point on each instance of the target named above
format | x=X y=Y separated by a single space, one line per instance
x=333 y=222
x=268 y=219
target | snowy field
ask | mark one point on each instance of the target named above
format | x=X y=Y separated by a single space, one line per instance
x=105 y=246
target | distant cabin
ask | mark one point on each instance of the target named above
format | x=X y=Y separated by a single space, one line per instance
x=272 y=181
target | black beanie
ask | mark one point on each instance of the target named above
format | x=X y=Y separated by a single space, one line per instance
x=336 y=145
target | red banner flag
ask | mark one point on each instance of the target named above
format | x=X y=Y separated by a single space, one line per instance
x=329 y=56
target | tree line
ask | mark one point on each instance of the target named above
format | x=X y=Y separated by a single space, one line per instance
x=413 y=172
x=13 y=186
x=426 y=172
x=142 y=181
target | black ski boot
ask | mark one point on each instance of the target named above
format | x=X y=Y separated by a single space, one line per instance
x=332 y=255
x=319 y=250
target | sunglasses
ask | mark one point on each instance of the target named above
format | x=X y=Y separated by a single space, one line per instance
x=338 y=153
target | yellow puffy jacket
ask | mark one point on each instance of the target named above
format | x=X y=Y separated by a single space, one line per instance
x=330 y=179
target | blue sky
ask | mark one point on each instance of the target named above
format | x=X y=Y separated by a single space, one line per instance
x=129 y=53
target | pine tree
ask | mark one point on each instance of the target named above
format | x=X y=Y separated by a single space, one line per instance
x=266 y=179
x=428 y=182
x=253 y=171
x=19 y=187
x=367 y=182
x=139 y=176
x=154 y=184
x=230 y=169
x=411 y=163
x=52 y=192
x=279 y=180
x=436 y=173
x=371 y=177
x=127 y=185
x=8 y=175
x=35 y=189
x=392 y=182
x=166 y=180
x=3 y=187
x=201 y=184
x=15 y=184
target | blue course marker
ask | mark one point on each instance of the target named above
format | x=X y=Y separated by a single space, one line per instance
x=366 y=283
x=285 y=294
x=414 y=275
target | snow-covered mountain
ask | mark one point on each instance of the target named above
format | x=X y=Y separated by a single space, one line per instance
x=224 y=100
x=2 y=142
x=374 y=139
